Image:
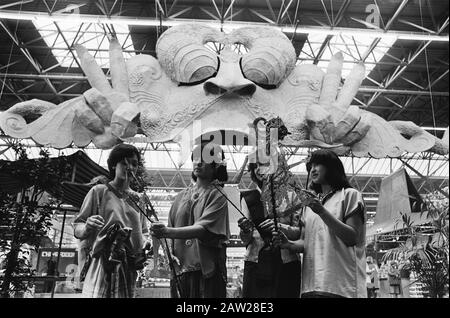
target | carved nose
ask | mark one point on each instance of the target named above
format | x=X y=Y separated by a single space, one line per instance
x=229 y=79
x=247 y=89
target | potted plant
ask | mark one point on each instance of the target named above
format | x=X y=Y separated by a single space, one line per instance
x=24 y=218
x=426 y=255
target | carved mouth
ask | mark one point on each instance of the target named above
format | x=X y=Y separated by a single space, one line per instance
x=223 y=123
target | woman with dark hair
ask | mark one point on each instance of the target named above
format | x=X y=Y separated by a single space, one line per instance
x=199 y=227
x=112 y=229
x=333 y=240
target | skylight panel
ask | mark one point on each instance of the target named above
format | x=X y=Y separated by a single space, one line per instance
x=92 y=36
x=352 y=48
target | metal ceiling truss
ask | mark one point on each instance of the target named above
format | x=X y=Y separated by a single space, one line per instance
x=282 y=17
x=406 y=61
x=388 y=25
x=37 y=67
x=157 y=22
x=338 y=19
x=222 y=13
x=64 y=77
x=368 y=184
x=225 y=12
x=427 y=90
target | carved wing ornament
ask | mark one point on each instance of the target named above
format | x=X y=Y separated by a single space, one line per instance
x=162 y=97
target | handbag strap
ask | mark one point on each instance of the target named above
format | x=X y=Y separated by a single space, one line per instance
x=128 y=199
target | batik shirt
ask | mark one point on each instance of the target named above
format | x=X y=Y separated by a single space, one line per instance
x=210 y=210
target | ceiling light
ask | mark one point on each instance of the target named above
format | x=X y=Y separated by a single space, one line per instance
x=413 y=36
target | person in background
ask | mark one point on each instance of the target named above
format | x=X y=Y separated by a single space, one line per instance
x=372 y=278
x=269 y=272
x=50 y=272
x=383 y=292
x=394 y=280
x=112 y=227
x=198 y=227
x=333 y=239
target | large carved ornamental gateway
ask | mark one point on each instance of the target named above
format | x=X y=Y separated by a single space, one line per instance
x=163 y=98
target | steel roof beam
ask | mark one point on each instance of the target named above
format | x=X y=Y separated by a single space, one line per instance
x=4 y=6
x=29 y=57
x=269 y=6
x=305 y=29
x=282 y=12
x=362 y=89
x=386 y=28
x=262 y=16
x=388 y=80
x=339 y=17
x=230 y=7
x=64 y=38
x=411 y=99
x=11 y=89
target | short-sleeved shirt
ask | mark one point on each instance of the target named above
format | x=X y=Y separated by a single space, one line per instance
x=329 y=265
x=210 y=210
x=100 y=200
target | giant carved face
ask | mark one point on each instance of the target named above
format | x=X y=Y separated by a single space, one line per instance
x=190 y=82
x=190 y=90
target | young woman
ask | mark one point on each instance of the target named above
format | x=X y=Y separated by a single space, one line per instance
x=198 y=226
x=394 y=280
x=333 y=240
x=372 y=278
x=268 y=271
x=110 y=225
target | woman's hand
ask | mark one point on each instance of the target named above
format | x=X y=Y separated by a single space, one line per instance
x=314 y=204
x=246 y=225
x=280 y=239
x=158 y=229
x=246 y=232
x=94 y=222
x=267 y=225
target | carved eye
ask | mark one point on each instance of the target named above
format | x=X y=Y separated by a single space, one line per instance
x=194 y=64
x=264 y=66
x=183 y=56
x=271 y=56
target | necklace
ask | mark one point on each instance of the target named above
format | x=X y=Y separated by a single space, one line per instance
x=322 y=196
x=197 y=192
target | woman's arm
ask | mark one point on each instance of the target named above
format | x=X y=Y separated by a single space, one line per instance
x=185 y=232
x=292 y=232
x=296 y=246
x=82 y=230
x=89 y=219
x=348 y=232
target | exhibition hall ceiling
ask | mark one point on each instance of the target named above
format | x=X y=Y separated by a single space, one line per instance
x=404 y=44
